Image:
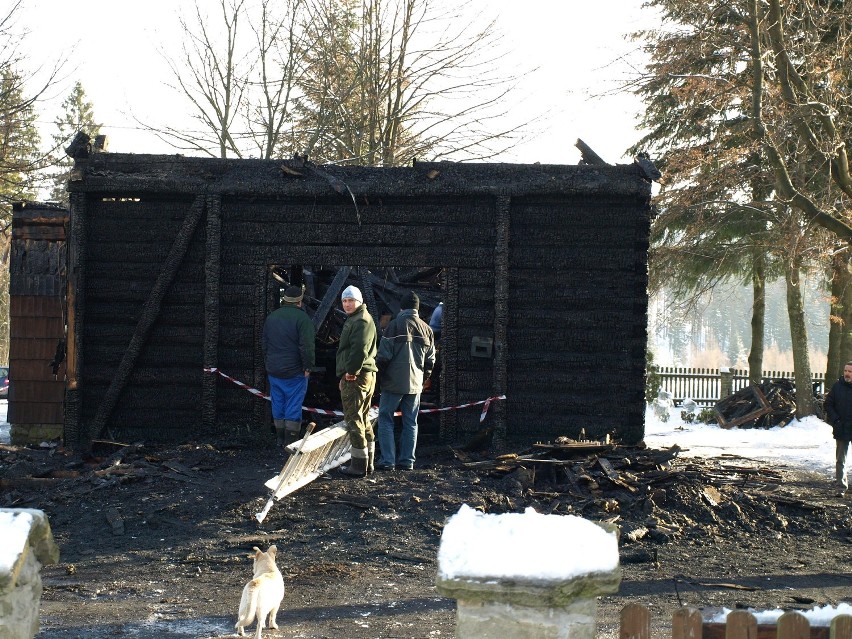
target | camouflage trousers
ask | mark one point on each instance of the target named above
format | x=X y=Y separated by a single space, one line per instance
x=356 y=397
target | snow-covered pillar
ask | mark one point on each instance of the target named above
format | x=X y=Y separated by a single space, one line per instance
x=27 y=545
x=526 y=576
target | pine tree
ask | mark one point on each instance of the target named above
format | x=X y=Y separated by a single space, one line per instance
x=77 y=115
x=19 y=162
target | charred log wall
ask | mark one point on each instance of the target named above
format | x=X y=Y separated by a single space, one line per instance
x=578 y=326
x=174 y=275
x=128 y=241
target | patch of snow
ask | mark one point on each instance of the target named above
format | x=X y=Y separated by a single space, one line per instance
x=805 y=444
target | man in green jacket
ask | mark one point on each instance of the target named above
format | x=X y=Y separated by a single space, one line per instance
x=356 y=367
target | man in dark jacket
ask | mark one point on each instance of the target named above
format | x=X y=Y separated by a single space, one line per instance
x=838 y=408
x=356 y=367
x=406 y=359
x=288 y=352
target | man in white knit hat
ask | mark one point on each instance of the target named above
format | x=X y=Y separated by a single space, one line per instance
x=356 y=367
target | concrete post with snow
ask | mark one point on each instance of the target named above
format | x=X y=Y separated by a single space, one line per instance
x=27 y=545
x=525 y=576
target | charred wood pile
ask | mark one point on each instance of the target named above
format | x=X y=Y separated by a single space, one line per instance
x=770 y=403
x=653 y=495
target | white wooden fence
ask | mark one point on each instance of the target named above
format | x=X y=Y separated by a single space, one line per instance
x=704 y=385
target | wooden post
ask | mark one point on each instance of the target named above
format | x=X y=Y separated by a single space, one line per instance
x=740 y=624
x=686 y=624
x=74 y=433
x=449 y=355
x=726 y=383
x=635 y=622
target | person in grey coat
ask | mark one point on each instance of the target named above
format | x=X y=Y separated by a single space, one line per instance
x=406 y=358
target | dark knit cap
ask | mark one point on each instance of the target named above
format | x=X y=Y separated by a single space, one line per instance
x=293 y=294
x=410 y=301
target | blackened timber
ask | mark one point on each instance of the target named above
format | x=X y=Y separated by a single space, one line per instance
x=212 y=270
x=331 y=294
x=73 y=433
x=501 y=316
x=120 y=173
x=266 y=298
x=588 y=155
x=449 y=355
x=367 y=292
x=149 y=314
x=400 y=289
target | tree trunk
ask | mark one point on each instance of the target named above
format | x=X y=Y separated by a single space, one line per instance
x=805 y=404
x=845 y=350
x=838 y=328
x=758 y=318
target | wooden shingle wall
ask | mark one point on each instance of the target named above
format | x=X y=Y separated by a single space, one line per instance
x=36 y=323
x=170 y=260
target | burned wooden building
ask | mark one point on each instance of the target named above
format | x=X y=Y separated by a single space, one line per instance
x=175 y=262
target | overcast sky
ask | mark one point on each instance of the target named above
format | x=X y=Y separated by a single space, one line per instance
x=578 y=48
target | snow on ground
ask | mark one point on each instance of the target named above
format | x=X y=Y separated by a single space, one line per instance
x=805 y=444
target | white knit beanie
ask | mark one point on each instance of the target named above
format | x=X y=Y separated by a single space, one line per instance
x=353 y=293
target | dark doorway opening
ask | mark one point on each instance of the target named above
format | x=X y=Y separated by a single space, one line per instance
x=383 y=289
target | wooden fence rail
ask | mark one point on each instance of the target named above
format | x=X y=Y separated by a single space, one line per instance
x=704 y=385
x=687 y=623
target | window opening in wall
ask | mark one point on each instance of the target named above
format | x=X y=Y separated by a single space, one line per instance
x=383 y=289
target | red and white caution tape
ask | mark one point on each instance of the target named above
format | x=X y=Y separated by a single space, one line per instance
x=485 y=403
x=259 y=393
x=251 y=390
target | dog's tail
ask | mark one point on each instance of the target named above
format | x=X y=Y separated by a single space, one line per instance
x=248 y=604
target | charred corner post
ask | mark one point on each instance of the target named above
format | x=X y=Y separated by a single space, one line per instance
x=174 y=263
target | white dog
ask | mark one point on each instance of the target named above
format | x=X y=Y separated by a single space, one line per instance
x=262 y=595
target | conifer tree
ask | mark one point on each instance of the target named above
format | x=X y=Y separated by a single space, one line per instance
x=77 y=115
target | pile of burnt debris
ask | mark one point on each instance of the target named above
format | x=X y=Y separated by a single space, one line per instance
x=657 y=495
x=770 y=403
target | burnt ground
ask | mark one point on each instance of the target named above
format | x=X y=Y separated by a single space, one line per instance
x=154 y=539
